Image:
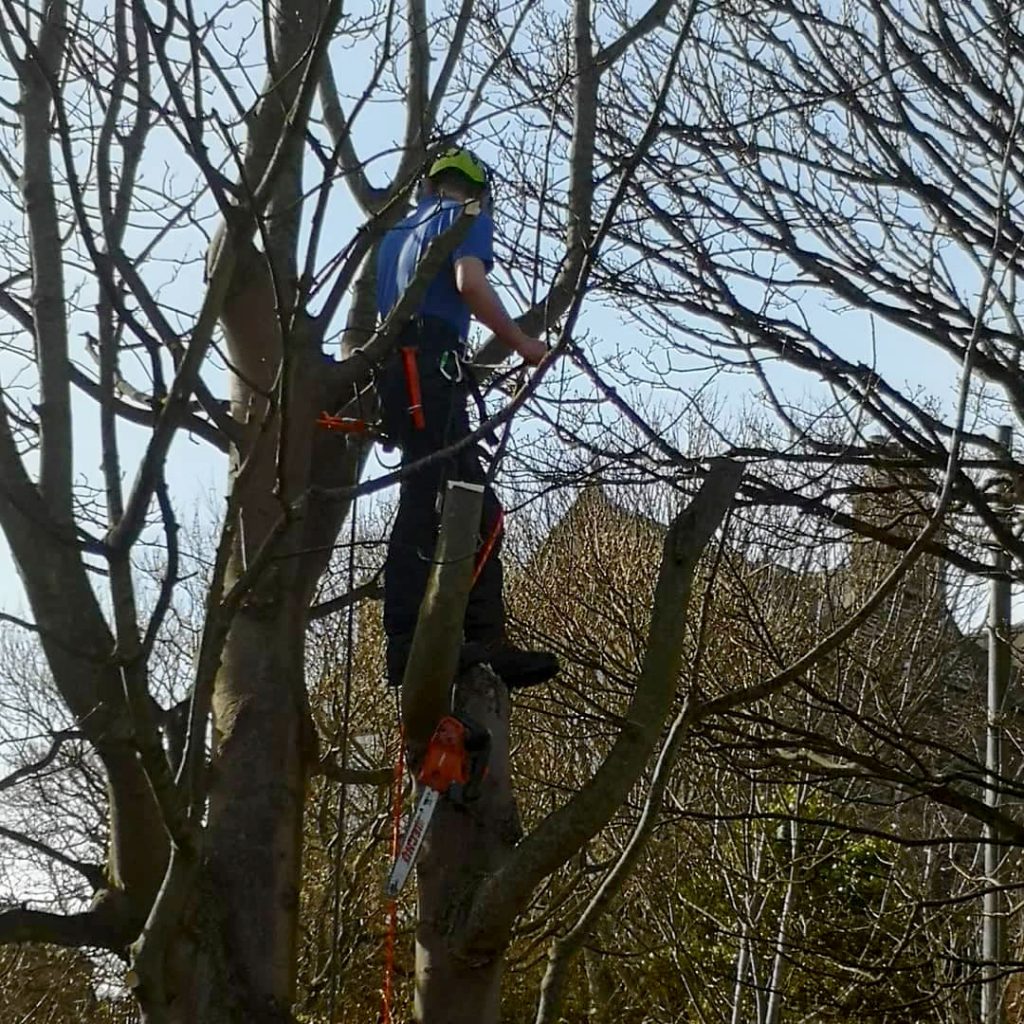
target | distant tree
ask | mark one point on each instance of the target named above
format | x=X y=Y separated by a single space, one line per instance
x=46 y=984
x=806 y=839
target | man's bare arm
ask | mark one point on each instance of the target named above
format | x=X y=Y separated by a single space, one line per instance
x=486 y=306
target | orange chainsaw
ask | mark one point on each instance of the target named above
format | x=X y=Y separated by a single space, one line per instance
x=454 y=766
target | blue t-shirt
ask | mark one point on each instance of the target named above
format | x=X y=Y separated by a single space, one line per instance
x=405 y=243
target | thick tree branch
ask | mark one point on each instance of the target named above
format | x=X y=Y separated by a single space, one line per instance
x=46 y=249
x=77 y=644
x=22 y=511
x=563 y=949
x=354 y=776
x=147 y=416
x=417 y=83
x=372 y=590
x=653 y=18
x=451 y=60
x=503 y=895
x=340 y=126
x=73 y=931
x=434 y=658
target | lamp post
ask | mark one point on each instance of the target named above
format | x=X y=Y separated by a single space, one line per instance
x=993 y=934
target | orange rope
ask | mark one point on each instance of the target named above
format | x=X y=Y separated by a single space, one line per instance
x=488 y=546
x=387 y=988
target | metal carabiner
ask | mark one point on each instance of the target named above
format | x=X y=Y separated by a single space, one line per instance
x=448 y=356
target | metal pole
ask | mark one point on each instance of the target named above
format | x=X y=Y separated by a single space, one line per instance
x=993 y=935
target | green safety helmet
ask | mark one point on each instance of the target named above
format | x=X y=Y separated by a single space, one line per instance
x=465 y=162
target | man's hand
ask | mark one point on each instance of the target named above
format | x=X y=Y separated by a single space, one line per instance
x=533 y=350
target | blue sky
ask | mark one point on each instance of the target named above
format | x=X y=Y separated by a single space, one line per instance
x=196 y=471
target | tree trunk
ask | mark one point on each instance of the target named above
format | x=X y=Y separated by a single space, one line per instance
x=463 y=846
x=233 y=960
x=256 y=800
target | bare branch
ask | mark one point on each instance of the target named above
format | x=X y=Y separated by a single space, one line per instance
x=369 y=591
x=654 y=17
x=94 y=874
x=148 y=416
x=340 y=126
x=450 y=61
x=417 y=127
x=147 y=478
x=563 y=949
x=565 y=830
x=100 y=929
x=580 y=243
x=28 y=770
x=354 y=776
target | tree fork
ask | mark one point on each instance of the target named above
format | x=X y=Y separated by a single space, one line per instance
x=474 y=878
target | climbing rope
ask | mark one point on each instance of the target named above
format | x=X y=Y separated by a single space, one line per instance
x=387 y=987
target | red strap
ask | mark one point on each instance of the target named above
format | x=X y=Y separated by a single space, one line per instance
x=487 y=547
x=344 y=424
x=412 y=386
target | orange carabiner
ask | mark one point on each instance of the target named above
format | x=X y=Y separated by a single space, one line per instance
x=343 y=424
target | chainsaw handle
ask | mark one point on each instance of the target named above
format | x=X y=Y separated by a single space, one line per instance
x=456 y=760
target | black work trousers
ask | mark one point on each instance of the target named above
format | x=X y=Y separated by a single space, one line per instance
x=412 y=541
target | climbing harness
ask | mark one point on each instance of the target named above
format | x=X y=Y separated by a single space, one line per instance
x=454 y=767
x=451 y=366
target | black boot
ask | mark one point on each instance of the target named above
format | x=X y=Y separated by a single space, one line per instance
x=517 y=667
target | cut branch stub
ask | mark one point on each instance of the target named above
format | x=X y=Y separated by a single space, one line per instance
x=434 y=656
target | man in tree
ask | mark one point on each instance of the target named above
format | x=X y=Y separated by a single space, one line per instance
x=430 y=353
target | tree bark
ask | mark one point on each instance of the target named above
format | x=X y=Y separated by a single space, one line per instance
x=231 y=958
x=256 y=802
x=465 y=845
